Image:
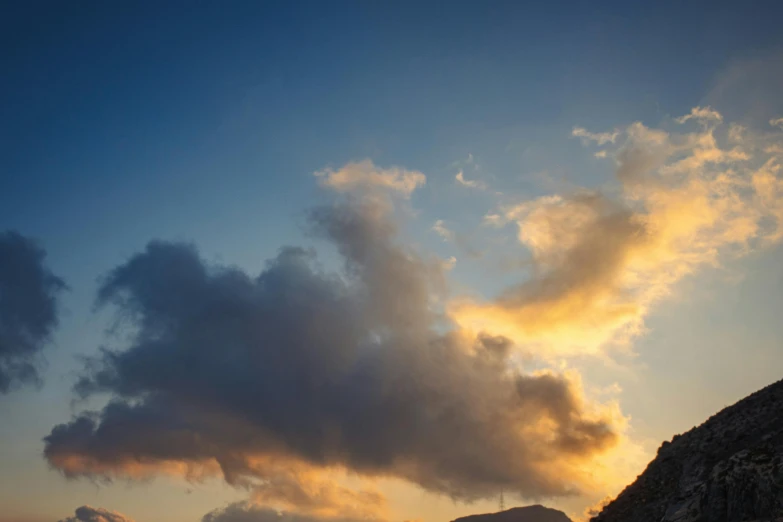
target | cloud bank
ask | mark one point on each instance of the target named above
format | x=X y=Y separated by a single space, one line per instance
x=275 y=381
x=28 y=308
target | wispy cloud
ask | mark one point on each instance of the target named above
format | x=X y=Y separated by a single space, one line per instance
x=601 y=138
x=703 y=114
x=471 y=183
x=442 y=230
x=365 y=177
x=494 y=219
x=469 y=165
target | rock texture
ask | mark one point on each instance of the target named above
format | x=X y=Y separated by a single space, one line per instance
x=535 y=513
x=729 y=469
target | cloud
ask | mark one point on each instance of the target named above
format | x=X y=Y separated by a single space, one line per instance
x=601 y=138
x=323 y=498
x=776 y=122
x=460 y=177
x=249 y=512
x=494 y=220
x=442 y=230
x=91 y=514
x=644 y=150
x=592 y=511
x=702 y=114
x=252 y=376
x=366 y=178
x=460 y=240
x=28 y=308
x=599 y=263
x=571 y=302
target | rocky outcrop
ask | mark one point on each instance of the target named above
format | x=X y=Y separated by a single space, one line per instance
x=535 y=513
x=729 y=469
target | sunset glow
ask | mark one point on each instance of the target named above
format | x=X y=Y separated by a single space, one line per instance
x=377 y=262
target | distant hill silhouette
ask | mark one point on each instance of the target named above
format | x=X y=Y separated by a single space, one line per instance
x=535 y=513
x=728 y=469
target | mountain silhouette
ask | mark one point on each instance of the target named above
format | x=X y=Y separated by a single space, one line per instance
x=536 y=513
x=728 y=469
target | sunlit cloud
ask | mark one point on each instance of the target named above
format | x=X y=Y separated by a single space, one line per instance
x=298 y=487
x=295 y=373
x=703 y=114
x=364 y=177
x=320 y=375
x=599 y=263
x=591 y=510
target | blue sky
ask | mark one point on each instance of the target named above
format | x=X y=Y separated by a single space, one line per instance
x=204 y=122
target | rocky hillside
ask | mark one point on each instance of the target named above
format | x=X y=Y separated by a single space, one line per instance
x=728 y=469
x=535 y=513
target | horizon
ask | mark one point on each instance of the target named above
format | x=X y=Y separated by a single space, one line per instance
x=332 y=262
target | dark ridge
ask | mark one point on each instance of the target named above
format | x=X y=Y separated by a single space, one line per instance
x=536 y=513
x=725 y=470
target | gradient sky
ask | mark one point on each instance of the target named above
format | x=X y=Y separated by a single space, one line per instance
x=204 y=122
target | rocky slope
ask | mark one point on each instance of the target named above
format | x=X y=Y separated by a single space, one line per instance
x=535 y=513
x=728 y=469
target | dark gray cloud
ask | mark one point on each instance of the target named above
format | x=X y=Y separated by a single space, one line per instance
x=28 y=308
x=230 y=372
x=91 y=514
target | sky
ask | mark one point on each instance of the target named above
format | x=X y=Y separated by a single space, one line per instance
x=342 y=261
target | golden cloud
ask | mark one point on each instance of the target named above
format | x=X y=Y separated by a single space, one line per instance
x=599 y=263
x=365 y=177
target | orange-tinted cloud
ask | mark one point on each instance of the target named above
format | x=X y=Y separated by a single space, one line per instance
x=365 y=177
x=317 y=492
x=600 y=262
x=251 y=377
